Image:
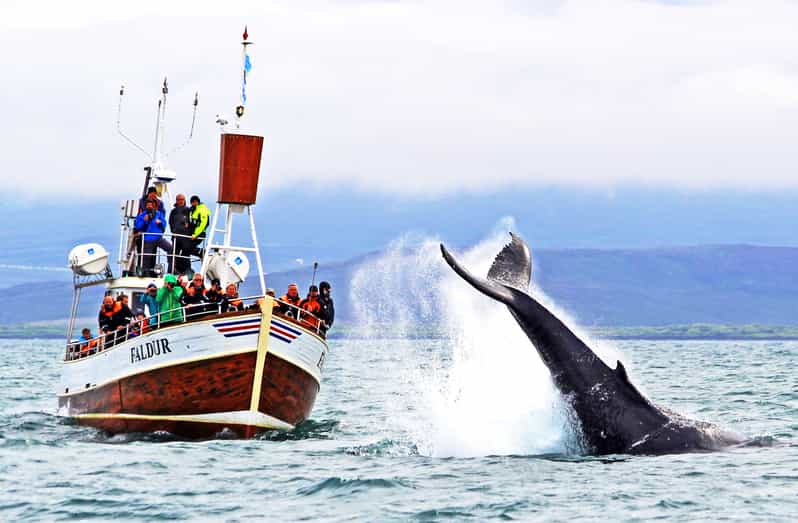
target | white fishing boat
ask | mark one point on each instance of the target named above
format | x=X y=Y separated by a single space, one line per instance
x=193 y=371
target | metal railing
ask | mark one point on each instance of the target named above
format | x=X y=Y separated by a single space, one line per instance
x=189 y=313
x=163 y=260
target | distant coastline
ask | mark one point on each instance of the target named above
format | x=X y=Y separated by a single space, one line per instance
x=694 y=331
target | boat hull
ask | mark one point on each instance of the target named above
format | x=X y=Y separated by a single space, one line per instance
x=196 y=380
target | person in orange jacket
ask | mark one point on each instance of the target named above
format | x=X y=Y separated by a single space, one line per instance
x=311 y=305
x=110 y=317
x=291 y=297
x=87 y=340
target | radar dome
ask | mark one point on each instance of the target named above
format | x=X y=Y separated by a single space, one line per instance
x=87 y=259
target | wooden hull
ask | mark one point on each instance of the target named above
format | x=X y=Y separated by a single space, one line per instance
x=235 y=384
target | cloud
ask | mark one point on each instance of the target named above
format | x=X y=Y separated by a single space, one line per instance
x=407 y=97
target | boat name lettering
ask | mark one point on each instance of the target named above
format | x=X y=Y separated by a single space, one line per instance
x=148 y=350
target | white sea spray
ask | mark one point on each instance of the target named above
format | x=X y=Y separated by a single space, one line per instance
x=483 y=390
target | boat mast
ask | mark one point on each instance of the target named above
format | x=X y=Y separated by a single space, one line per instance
x=246 y=66
x=159 y=124
x=239 y=170
x=154 y=170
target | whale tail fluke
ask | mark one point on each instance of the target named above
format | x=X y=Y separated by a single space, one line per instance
x=492 y=288
x=513 y=265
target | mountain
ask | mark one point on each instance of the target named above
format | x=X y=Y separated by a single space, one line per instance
x=730 y=284
x=339 y=224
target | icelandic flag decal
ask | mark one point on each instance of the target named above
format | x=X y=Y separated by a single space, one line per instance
x=231 y=329
x=91 y=251
x=283 y=331
x=278 y=329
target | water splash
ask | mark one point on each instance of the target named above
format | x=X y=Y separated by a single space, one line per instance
x=485 y=390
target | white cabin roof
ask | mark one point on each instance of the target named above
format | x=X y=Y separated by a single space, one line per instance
x=132 y=283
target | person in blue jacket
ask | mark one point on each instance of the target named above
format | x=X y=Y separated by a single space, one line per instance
x=150 y=223
x=148 y=299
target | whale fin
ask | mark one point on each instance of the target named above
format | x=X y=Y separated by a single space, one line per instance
x=491 y=288
x=620 y=371
x=513 y=265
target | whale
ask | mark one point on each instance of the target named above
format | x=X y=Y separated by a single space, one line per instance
x=606 y=408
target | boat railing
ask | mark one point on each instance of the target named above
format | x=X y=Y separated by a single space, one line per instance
x=182 y=247
x=193 y=312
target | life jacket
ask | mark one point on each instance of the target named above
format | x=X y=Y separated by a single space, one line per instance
x=86 y=345
x=293 y=301
x=235 y=304
x=109 y=314
x=313 y=307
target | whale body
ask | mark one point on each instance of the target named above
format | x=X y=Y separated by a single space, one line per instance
x=613 y=416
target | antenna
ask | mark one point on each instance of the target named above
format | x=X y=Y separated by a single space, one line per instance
x=191 y=131
x=119 y=123
x=315 y=266
x=159 y=126
x=160 y=123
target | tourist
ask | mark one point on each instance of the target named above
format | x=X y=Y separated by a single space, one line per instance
x=151 y=224
x=291 y=297
x=192 y=299
x=180 y=226
x=275 y=303
x=327 y=312
x=230 y=300
x=124 y=309
x=214 y=294
x=168 y=299
x=148 y=299
x=144 y=323
x=86 y=341
x=200 y=216
x=164 y=244
x=198 y=282
x=133 y=329
x=152 y=194
x=85 y=335
x=310 y=307
x=109 y=318
x=195 y=293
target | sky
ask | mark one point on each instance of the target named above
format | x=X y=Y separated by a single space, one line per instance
x=412 y=99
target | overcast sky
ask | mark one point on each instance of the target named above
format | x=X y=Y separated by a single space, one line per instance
x=412 y=98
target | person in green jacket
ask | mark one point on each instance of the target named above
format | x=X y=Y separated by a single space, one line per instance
x=200 y=216
x=168 y=300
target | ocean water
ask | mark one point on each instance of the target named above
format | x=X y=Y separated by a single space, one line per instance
x=397 y=435
x=463 y=425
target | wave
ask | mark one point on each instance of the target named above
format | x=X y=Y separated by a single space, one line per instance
x=342 y=487
x=485 y=391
